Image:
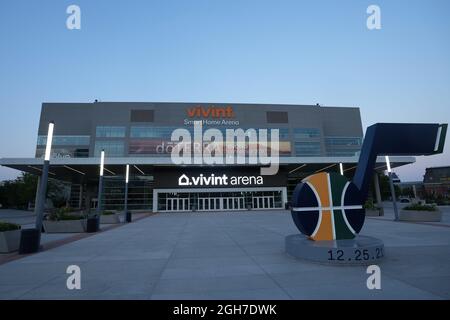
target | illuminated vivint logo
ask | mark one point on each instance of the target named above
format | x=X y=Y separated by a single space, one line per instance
x=222 y=180
x=240 y=147
x=210 y=112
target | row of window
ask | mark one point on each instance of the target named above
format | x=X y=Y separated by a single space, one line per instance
x=157 y=147
x=307 y=149
x=306 y=143
x=165 y=132
x=159 y=132
x=343 y=141
x=65 y=140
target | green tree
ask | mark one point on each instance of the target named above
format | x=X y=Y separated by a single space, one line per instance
x=19 y=192
x=385 y=188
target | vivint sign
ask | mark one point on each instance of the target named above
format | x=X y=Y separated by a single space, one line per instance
x=223 y=180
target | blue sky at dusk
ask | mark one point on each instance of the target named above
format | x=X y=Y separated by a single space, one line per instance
x=296 y=52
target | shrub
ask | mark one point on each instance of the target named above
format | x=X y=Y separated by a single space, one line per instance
x=420 y=207
x=63 y=210
x=369 y=205
x=63 y=217
x=6 y=226
x=64 y=213
x=108 y=213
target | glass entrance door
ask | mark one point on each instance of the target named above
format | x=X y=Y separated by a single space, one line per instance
x=266 y=202
x=205 y=204
x=233 y=203
x=177 y=204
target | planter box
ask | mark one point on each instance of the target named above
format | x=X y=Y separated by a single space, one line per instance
x=65 y=226
x=373 y=213
x=110 y=218
x=9 y=241
x=420 y=216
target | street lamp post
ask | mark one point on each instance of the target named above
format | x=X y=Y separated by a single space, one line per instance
x=40 y=205
x=30 y=239
x=391 y=184
x=125 y=206
x=100 y=183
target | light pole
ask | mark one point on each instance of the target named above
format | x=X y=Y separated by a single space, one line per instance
x=125 y=206
x=100 y=183
x=30 y=239
x=391 y=184
x=40 y=205
x=341 y=168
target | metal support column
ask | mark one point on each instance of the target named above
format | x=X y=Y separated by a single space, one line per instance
x=376 y=182
x=40 y=205
x=394 y=199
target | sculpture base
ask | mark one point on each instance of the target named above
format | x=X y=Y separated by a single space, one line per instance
x=362 y=250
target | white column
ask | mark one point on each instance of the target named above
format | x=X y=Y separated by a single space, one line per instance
x=155 y=201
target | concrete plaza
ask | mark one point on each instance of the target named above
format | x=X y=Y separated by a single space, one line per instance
x=233 y=255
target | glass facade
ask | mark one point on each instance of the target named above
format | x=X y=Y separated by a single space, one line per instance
x=343 y=146
x=65 y=140
x=151 y=132
x=284 y=134
x=308 y=149
x=140 y=193
x=110 y=132
x=226 y=201
x=64 y=152
x=306 y=133
x=343 y=141
x=113 y=148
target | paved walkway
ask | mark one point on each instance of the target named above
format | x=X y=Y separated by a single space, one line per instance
x=228 y=256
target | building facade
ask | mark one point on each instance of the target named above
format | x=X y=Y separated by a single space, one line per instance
x=311 y=139
x=437 y=182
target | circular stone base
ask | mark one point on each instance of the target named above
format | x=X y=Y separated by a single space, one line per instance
x=362 y=250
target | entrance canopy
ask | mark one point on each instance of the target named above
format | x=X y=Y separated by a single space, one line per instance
x=83 y=169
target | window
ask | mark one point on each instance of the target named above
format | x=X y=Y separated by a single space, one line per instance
x=307 y=149
x=343 y=146
x=66 y=152
x=342 y=153
x=154 y=147
x=142 y=116
x=343 y=141
x=113 y=148
x=306 y=133
x=151 y=132
x=65 y=140
x=284 y=134
x=110 y=132
x=277 y=117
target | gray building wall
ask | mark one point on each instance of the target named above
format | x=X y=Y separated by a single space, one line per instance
x=82 y=119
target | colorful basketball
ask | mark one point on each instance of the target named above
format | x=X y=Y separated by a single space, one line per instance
x=326 y=206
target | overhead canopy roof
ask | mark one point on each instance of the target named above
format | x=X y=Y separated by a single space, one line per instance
x=83 y=169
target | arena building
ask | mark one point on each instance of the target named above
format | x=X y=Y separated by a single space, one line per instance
x=312 y=139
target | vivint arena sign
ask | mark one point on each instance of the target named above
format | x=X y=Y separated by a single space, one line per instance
x=222 y=180
x=216 y=177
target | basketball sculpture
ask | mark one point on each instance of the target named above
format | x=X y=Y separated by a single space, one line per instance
x=326 y=206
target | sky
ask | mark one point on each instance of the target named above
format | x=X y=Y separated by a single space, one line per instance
x=248 y=51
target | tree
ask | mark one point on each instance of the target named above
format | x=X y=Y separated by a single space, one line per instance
x=19 y=192
x=385 y=188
